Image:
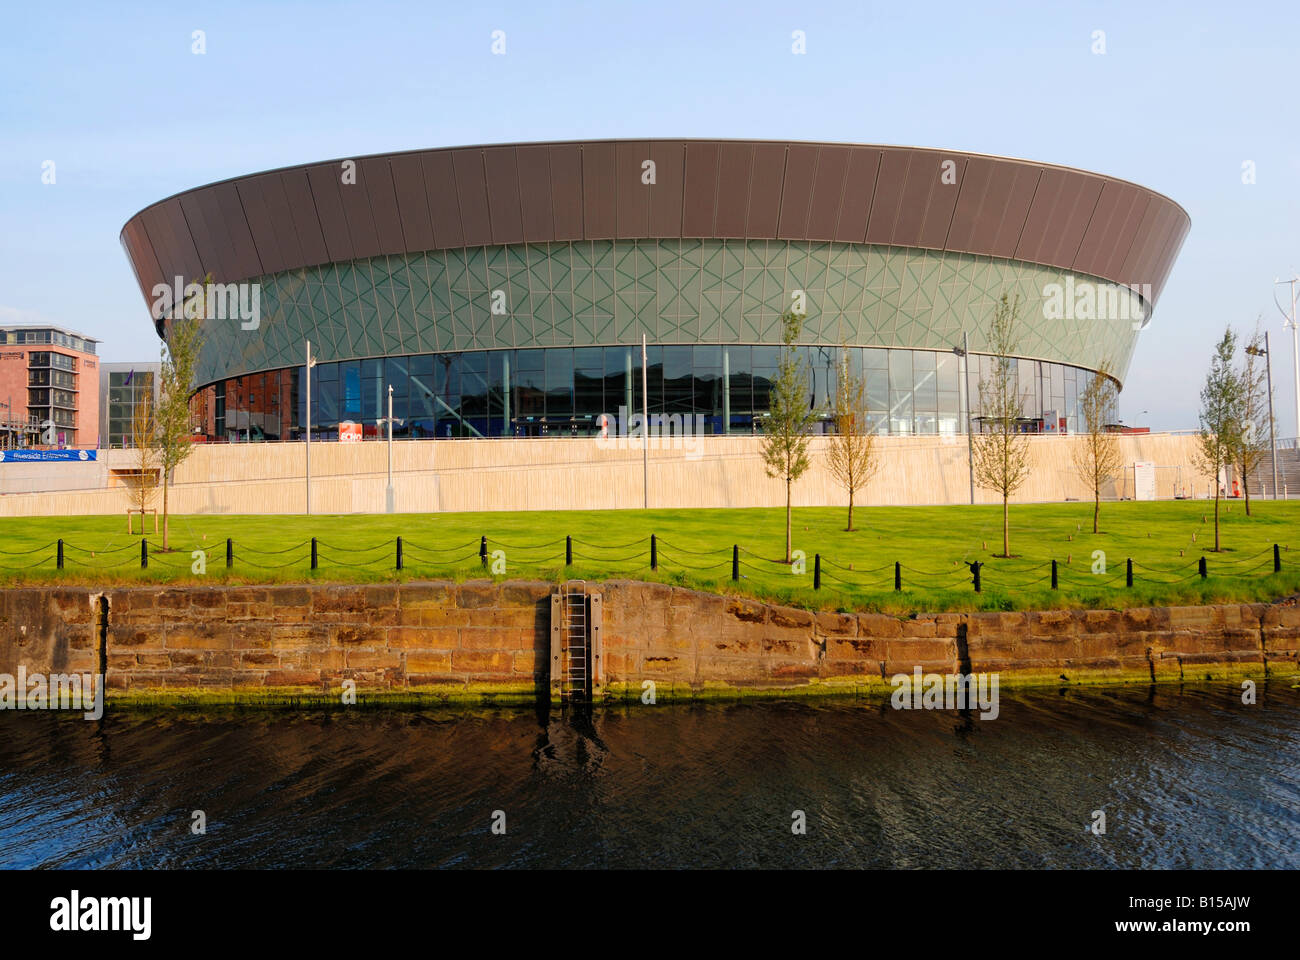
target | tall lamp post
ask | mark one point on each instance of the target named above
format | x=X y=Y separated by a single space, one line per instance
x=311 y=362
x=645 y=429
x=964 y=352
x=1267 y=354
x=390 y=501
x=1294 y=325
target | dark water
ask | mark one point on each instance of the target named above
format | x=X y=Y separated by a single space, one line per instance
x=1187 y=777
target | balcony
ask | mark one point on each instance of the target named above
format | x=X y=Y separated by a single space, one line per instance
x=57 y=361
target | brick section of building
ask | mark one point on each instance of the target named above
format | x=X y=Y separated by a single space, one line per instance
x=48 y=374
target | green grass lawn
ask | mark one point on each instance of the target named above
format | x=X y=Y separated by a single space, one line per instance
x=933 y=544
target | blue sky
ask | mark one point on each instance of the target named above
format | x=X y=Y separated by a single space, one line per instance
x=1184 y=95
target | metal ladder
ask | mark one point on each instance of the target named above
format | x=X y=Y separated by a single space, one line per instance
x=577 y=654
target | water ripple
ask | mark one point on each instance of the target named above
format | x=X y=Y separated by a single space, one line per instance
x=1187 y=777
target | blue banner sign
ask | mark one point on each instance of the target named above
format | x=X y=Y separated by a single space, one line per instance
x=38 y=456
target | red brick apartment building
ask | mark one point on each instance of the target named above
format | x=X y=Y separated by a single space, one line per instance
x=49 y=388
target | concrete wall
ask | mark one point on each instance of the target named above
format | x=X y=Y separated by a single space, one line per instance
x=59 y=477
x=562 y=474
x=482 y=638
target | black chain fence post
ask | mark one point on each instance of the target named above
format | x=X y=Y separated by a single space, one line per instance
x=1202 y=569
x=230 y=553
x=1056 y=583
x=975 y=575
x=144 y=554
x=1128 y=572
x=1277 y=556
x=313 y=553
x=399 y=553
x=59 y=560
x=654 y=553
x=568 y=551
x=817 y=571
x=735 y=562
x=898 y=576
x=482 y=550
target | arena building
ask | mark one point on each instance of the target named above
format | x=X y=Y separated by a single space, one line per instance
x=505 y=290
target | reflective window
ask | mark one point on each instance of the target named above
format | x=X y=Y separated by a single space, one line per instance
x=900 y=392
x=588 y=381
x=740 y=388
x=559 y=382
x=618 y=379
x=562 y=391
x=421 y=397
x=474 y=389
x=350 y=390
x=374 y=400
x=530 y=384
x=654 y=379
x=678 y=380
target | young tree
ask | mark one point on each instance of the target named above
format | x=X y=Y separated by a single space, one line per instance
x=1220 y=416
x=144 y=443
x=851 y=454
x=1254 y=413
x=180 y=353
x=1096 y=456
x=786 y=431
x=1001 y=450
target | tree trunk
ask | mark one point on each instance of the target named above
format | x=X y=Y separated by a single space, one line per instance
x=165 y=485
x=1217 y=492
x=787 y=519
x=1006 y=528
x=850 y=528
x=1096 y=507
x=1245 y=487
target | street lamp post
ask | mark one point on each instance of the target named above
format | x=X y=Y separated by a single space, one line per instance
x=310 y=363
x=964 y=352
x=645 y=429
x=1294 y=324
x=1267 y=353
x=390 y=501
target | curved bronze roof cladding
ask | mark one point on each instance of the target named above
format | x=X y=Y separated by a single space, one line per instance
x=542 y=192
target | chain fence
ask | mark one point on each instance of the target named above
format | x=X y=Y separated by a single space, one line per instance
x=737 y=563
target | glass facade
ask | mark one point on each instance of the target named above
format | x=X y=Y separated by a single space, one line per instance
x=541 y=339
x=562 y=391
x=262 y=406
x=127 y=392
x=608 y=293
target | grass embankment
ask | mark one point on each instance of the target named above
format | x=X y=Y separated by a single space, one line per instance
x=933 y=544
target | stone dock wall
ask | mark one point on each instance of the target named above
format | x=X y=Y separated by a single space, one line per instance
x=485 y=639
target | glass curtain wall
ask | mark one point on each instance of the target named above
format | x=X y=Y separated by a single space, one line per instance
x=563 y=391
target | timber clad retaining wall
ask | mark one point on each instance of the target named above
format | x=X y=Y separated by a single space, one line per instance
x=484 y=637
